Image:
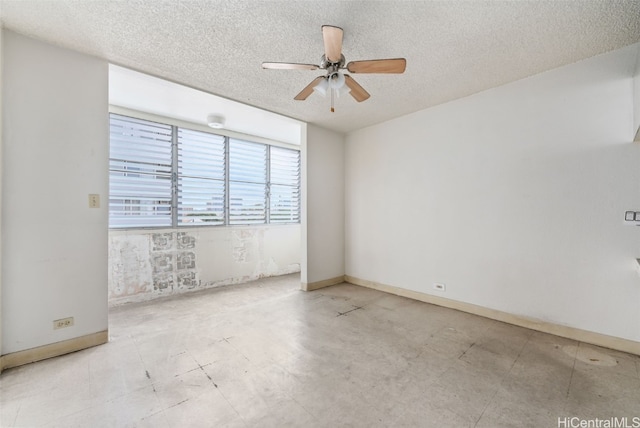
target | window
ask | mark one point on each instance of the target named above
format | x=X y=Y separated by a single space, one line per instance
x=201 y=178
x=139 y=173
x=284 y=189
x=168 y=176
x=247 y=182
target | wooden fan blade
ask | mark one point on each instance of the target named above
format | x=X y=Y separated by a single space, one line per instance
x=332 y=42
x=395 y=65
x=357 y=91
x=288 y=66
x=308 y=90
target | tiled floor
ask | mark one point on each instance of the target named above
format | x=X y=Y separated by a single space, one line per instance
x=268 y=355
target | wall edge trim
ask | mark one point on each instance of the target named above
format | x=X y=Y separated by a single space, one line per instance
x=598 y=339
x=51 y=350
x=322 y=284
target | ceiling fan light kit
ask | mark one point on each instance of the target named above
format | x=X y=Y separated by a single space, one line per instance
x=336 y=80
x=321 y=87
x=333 y=61
x=335 y=83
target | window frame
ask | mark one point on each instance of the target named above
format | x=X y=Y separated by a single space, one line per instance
x=227 y=137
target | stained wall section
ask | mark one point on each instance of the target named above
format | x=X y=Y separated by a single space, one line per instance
x=145 y=264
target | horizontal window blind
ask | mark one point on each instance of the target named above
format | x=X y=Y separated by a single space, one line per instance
x=166 y=176
x=284 y=188
x=139 y=173
x=201 y=178
x=247 y=182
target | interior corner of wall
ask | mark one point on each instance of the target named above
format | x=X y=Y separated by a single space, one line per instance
x=636 y=96
x=1 y=145
x=635 y=102
x=303 y=206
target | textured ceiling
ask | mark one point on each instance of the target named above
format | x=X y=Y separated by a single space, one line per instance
x=453 y=48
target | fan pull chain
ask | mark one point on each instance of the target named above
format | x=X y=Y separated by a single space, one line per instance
x=332 y=109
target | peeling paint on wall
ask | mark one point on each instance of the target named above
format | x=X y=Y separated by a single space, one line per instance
x=146 y=264
x=186 y=261
x=163 y=282
x=294 y=268
x=129 y=266
x=173 y=268
x=162 y=263
x=162 y=241
x=247 y=245
x=185 y=241
x=187 y=280
x=151 y=264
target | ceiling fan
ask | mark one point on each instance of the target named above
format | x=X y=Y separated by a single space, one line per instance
x=333 y=62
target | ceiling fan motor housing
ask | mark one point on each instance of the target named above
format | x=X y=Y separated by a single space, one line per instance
x=332 y=67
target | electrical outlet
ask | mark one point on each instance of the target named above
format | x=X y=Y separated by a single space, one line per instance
x=63 y=323
x=632 y=218
x=439 y=287
x=94 y=200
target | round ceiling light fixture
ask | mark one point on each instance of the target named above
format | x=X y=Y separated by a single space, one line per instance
x=215 y=121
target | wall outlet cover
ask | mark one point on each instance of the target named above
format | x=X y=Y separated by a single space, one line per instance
x=439 y=286
x=62 y=323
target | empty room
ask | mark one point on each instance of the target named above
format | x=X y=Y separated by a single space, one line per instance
x=319 y=213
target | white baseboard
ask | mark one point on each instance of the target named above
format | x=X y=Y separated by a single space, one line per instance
x=32 y=355
x=321 y=284
x=611 y=342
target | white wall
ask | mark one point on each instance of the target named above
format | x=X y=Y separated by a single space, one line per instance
x=54 y=247
x=514 y=198
x=324 y=205
x=145 y=264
